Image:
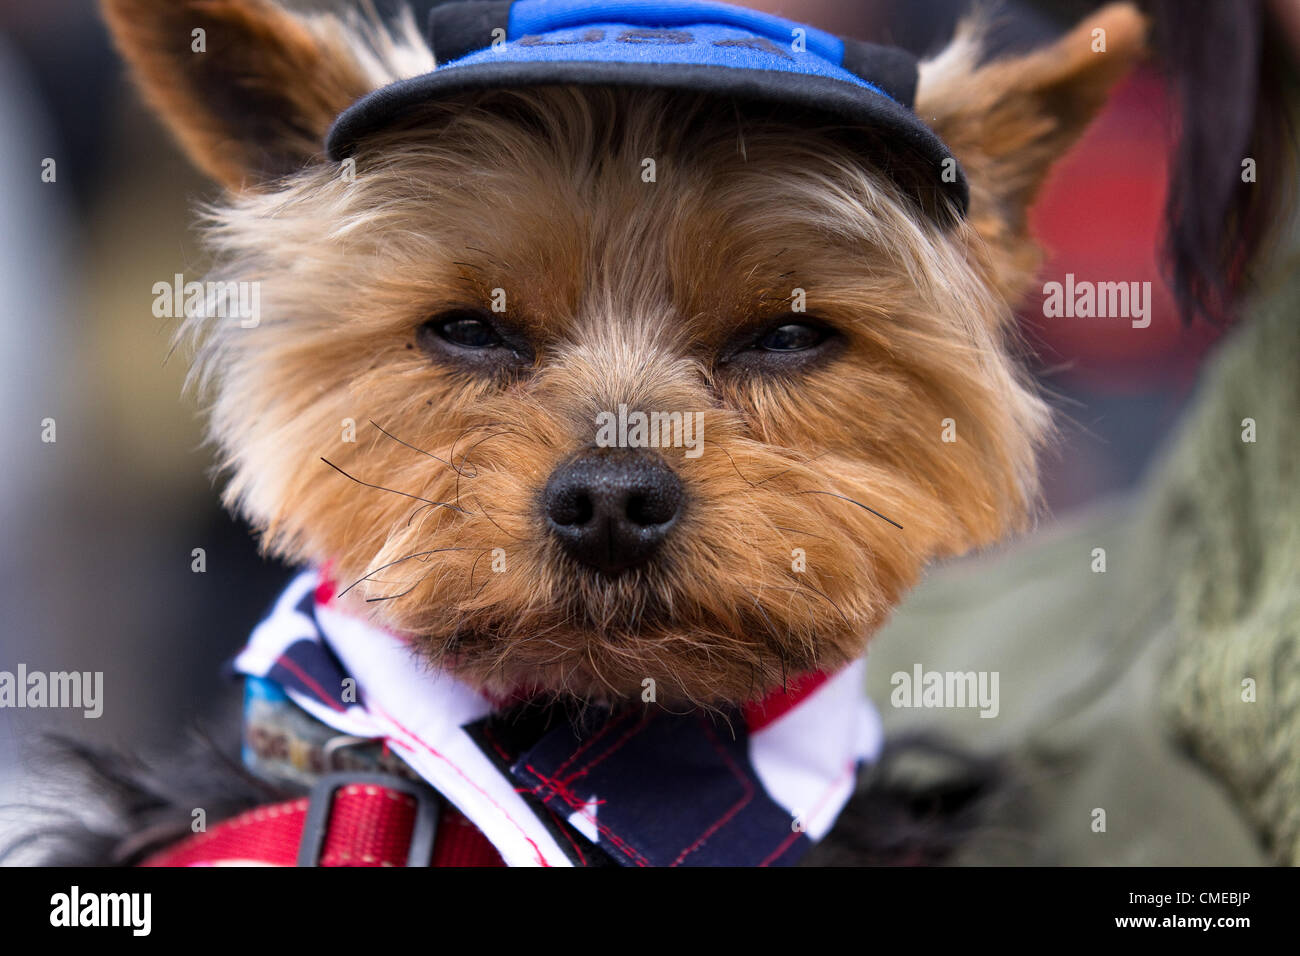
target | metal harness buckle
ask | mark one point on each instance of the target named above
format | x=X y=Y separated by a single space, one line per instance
x=321 y=801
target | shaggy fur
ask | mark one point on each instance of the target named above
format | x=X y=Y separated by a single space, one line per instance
x=627 y=292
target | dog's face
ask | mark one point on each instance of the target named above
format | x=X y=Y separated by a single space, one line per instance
x=449 y=337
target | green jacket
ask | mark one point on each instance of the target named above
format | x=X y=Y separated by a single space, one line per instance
x=1164 y=690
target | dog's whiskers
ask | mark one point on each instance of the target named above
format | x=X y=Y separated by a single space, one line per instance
x=484 y=512
x=402 y=594
x=421 y=450
x=474 y=566
x=464 y=459
x=409 y=557
x=853 y=502
x=785 y=471
x=456 y=442
x=404 y=494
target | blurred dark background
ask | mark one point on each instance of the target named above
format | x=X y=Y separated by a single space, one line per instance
x=99 y=526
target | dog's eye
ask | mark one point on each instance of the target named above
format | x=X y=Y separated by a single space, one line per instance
x=471 y=337
x=792 y=337
x=468 y=333
x=788 y=344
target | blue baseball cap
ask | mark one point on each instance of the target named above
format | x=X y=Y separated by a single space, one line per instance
x=687 y=45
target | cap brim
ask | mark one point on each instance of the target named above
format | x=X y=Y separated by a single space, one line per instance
x=913 y=153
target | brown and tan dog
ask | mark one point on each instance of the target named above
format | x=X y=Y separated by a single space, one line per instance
x=471 y=510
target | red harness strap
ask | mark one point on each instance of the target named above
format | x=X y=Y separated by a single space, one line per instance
x=368 y=825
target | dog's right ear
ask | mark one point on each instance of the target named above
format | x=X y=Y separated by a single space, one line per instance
x=1008 y=121
x=247 y=88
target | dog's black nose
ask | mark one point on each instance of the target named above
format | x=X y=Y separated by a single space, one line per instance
x=612 y=507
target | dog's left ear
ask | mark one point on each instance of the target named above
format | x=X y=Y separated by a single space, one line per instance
x=248 y=88
x=1010 y=120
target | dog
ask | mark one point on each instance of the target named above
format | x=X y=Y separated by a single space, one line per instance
x=600 y=385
